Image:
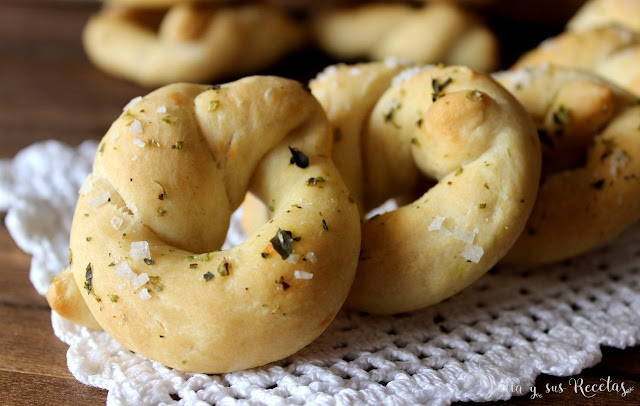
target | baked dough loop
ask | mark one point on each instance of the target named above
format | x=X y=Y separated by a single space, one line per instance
x=601 y=13
x=612 y=52
x=434 y=33
x=590 y=131
x=450 y=125
x=191 y=43
x=151 y=217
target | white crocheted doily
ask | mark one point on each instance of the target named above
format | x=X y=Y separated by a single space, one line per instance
x=483 y=344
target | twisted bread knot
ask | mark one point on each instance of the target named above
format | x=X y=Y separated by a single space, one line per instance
x=192 y=43
x=437 y=32
x=611 y=52
x=150 y=220
x=451 y=125
x=589 y=130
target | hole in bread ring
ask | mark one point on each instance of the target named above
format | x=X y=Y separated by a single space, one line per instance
x=594 y=198
x=451 y=125
x=154 y=280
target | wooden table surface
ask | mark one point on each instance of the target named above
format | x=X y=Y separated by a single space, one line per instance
x=49 y=90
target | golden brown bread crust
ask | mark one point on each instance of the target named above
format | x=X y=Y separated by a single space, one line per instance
x=192 y=43
x=612 y=52
x=149 y=220
x=590 y=190
x=434 y=33
x=475 y=140
x=64 y=299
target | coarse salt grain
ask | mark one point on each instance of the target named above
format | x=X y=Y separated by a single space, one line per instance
x=436 y=224
x=140 y=250
x=354 y=71
x=116 y=222
x=124 y=271
x=87 y=186
x=144 y=294
x=131 y=103
x=139 y=280
x=115 y=136
x=464 y=235
x=161 y=109
x=132 y=207
x=407 y=74
x=302 y=275
x=472 y=253
x=134 y=158
x=311 y=257
x=135 y=127
x=139 y=143
x=267 y=94
x=293 y=258
x=99 y=200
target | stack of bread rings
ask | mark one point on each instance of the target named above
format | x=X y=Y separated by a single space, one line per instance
x=532 y=165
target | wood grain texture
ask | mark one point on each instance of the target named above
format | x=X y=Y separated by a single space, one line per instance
x=49 y=90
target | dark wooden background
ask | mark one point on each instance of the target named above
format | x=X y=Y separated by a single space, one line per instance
x=49 y=90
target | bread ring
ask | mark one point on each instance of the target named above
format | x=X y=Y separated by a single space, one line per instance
x=601 y=13
x=475 y=140
x=149 y=220
x=438 y=32
x=192 y=43
x=611 y=52
x=591 y=185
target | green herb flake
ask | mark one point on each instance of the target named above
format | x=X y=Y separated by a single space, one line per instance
x=272 y=205
x=113 y=263
x=415 y=142
x=113 y=298
x=324 y=225
x=283 y=243
x=315 y=181
x=88 y=239
x=482 y=206
x=178 y=145
x=155 y=284
x=561 y=116
x=162 y=195
x=388 y=116
x=351 y=199
x=224 y=268
x=439 y=87
x=459 y=171
x=70 y=257
x=101 y=150
x=486 y=186
x=152 y=142
x=193 y=266
x=208 y=276
x=206 y=257
x=161 y=211
x=88 y=277
x=419 y=123
x=213 y=105
x=299 y=158
x=149 y=261
x=166 y=120
x=264 y=255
